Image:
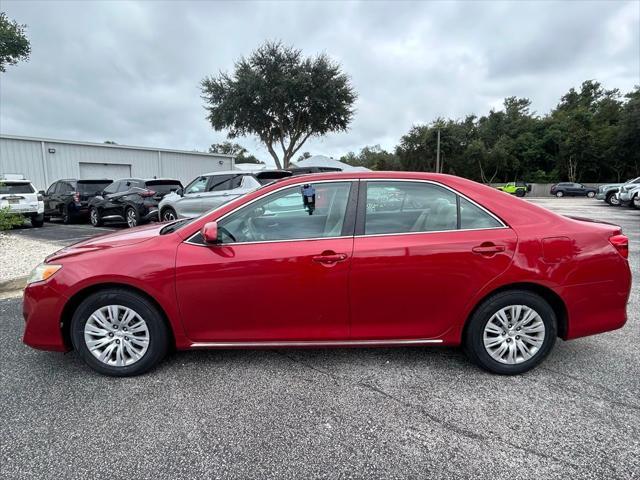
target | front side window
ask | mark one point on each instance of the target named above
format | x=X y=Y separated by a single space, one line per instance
x=412 y=207
x=300 y=212
x=197 y=186
x=52 y=188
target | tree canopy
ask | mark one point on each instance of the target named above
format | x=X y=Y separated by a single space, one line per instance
x=228 y=148
x=14 y=45
x=281 y=97
x=593 y=135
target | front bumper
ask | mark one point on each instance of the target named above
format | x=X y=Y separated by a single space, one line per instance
x=600 y=196
x=42 y=309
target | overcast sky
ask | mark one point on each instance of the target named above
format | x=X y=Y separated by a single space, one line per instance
x=129 y=71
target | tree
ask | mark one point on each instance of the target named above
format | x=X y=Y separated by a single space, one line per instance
x=281 y=97
x=304 y=156
x=374 y=158
x=228 y=148
x=14 y=45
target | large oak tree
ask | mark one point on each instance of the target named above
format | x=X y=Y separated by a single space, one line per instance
x=14 y=45
x=281 y=97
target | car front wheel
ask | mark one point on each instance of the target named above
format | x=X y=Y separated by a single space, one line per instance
x=94 y=217
x=635 y=203
x=119 y=333
x=168 y=215
x=511 y=332
x=559 y=194
x=612 y=200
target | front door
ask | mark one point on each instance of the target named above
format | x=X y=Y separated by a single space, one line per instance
x=279 y=273
x=420 y=253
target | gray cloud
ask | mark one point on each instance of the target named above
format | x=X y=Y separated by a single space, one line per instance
x=129 y=71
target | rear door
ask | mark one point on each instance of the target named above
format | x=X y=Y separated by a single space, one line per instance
x=220 y=190
x=420 y=253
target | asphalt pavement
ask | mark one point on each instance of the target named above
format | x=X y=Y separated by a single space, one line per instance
x=334 y=413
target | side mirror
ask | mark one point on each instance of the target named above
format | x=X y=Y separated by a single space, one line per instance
x=180 y=192
x=210 y=233
x=40 y=192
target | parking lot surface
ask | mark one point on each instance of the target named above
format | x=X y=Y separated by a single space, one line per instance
x=350 y=413
x=57 y=232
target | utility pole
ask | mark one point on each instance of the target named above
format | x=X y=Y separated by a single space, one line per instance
x=438 y=154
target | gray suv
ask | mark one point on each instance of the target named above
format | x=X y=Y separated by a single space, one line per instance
x=211 y=190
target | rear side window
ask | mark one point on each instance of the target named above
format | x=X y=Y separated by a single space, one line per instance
x=472 y=216
x=405 y=207
x=218 y=183
x=15 y=188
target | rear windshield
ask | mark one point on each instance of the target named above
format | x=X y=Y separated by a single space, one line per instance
x=15 y=187
x=92 y=186
x=163 y=186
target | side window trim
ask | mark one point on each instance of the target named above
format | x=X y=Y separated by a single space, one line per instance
x=362 y=206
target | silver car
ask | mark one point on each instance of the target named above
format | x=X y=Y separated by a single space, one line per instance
x=211 y=190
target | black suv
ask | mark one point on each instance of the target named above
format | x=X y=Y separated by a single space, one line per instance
x=134 y=200
x=69 y=198
x=563 y=189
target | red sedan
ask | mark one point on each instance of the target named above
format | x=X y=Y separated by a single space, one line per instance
x=363 y=259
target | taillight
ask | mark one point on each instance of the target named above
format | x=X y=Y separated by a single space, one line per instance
x=621 y=244
x=76 y=197
x=147 y=193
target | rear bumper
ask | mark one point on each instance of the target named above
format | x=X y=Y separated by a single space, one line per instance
x=42 y=310
x=596 y=307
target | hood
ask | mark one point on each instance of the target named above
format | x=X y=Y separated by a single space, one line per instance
x=110 y=240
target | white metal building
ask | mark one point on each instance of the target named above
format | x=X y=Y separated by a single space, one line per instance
x=44 y=160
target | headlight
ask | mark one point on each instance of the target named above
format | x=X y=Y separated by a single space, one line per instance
x=43 y=272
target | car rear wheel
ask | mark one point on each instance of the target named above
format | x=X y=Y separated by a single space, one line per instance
x=37 y=221
x=168 y=215
x=94 y=217
x=559 y=194
x=521 y=192
x=635 y=202
x=66 y=217
x=511 y=332
x=132 y=217
x=612 y=200
x=119 y=333
x=591 y=194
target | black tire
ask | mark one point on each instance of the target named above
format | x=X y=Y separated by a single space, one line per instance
x=635 y=201
x=37 y=221
x=474 y=331
x=560 y=194
x=157 y=328
x=521 y=192
x=94 y=217
x=612 y=200
x=132 y=217
x=66 y=216
x=168 y=214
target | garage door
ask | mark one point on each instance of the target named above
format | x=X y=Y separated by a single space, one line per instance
x=114 y=171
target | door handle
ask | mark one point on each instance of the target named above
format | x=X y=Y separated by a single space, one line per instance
x=330 y=258
x=488 y=248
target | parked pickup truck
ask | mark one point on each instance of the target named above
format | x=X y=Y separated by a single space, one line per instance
x=519 y=189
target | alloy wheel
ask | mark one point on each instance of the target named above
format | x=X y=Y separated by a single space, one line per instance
x=168 y=215
x=116 y=335
x=591 y=194
x=514 y=334
x=93 y=217
x=559 y=194
x=132 y=221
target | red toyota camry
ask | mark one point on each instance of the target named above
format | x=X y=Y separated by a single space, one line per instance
x=337 y=260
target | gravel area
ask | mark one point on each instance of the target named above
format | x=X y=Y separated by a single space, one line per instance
x=19 y=255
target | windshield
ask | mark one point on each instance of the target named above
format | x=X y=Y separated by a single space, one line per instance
x=93 y=186
x=164 y=187
x=15 y=187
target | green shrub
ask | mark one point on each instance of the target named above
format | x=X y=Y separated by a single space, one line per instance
x=8 y=219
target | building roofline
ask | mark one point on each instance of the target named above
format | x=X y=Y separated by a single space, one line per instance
x=110 y=145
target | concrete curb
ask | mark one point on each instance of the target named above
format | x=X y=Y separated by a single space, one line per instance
x=13 y=284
